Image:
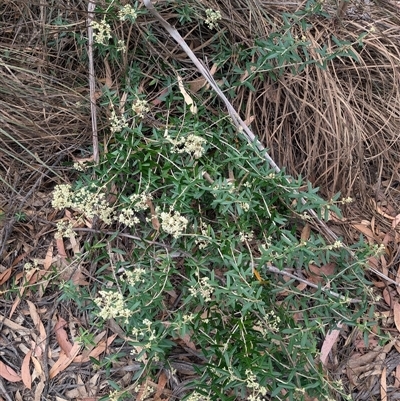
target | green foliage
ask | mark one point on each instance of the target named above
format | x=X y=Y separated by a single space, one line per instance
x=204 y=212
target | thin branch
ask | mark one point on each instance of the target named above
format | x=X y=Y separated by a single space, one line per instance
x=92 y=86
x=275 y=270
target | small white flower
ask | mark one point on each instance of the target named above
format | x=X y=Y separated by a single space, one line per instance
x=112 y=305
x=244 y=237
x=127 y=12
x=132 y=277
x=127 y=216
x=140 y=107
x=62 y=196
x=212 y=18
x=121 y=47
x=192 y=144
x=64 y=229
x=173 y=223
x=245 y=206
x=102 y=32
x=117 y=124
x=141 y=201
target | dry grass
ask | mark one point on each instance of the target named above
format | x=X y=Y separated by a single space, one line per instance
x=43 y=95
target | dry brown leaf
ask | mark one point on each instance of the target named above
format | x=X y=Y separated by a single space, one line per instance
x=249 y=120
x=188 y=342
x=383 y=384
x=25 y=372
x=301 y=286
x=61 y=248
x=162 y=381
x=397 y=376
x=64 y=361
x=188 y=100
x=305 y=233
x=5 y=276
x=387 y=296
x=108 y=79
x=315 y=276
x=39 y=391
x=20 y=257
x=16 y=302
x=328 y=343
x=37 y=321
x=154 y=220
x=329 y=269
x=396 y=313
x=382 y=212
x=62 y=336
x=198 y=83
x=366 y=231
x=74 y=244
x=8 y=373
x=38 y=367
x=78 y=278
x=49 y=257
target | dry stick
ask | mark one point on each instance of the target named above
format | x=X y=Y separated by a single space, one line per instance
x=275 y=270
x=241 y=125
x=91 y=7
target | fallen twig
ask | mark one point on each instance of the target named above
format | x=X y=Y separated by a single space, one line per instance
x=92 y=87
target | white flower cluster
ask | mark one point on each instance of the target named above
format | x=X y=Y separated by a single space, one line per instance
x=225 y=186
x=195 y=396
x=258 y=391
x=79 y=166
x=62 y=196
x=203 y=289
x=83 y=200
x=112 y=305
x=146 y=392
x=29 y=266
x=192 y=144
x=140 y=107
x=338 y=244
x=128 y=217
x=173 y=223
x=244 y=237
x=132 y=277
x=347 y=200
x=141 y=201
x=117 y=124
x=266 y=245
x=212 y=18
x=270 y=323
x=121 y=46
x=64 y=229
x=127 y=12
x=146 y=333
x=205 y=239
x=245 y=206
x=102 y=32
